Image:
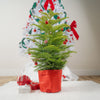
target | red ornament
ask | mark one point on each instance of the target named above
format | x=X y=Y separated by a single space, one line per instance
x=46 y=22
x=27 y=24
x=54 y=0
x=71 y=34
x=72 y=38
x=62 y=29
x=40 y=10
x=70 y=41
x=68 y=30
x=36 y=63
x=30 y=16
x=63 y=76
x=58 y=17
x=64 y=42
x=29 y=54
x=45 y=41
x=23 y=80
x=34 y=30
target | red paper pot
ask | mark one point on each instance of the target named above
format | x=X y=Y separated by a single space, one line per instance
x=50 y=80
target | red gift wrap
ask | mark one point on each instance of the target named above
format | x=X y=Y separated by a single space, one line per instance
x=25 y=80
x=22 y=80
x=50 y=80
x=34 y=86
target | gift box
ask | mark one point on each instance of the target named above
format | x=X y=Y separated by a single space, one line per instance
x=26 y=85
x=35 y=86
x=24 y=89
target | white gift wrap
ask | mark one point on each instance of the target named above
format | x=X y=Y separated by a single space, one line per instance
x=24 y=89
x=37 y=6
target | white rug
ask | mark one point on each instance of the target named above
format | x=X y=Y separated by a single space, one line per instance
x=71 y=90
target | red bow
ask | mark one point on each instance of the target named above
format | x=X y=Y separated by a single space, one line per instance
x=25 y=80
x=73 y=25
x=51 y=4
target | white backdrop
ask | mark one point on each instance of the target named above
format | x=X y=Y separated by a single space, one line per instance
x=13 y=17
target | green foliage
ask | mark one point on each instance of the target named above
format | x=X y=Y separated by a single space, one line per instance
x=53 y=54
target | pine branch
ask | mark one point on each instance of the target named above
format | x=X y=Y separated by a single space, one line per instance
x=56 y=21
x=59 y=27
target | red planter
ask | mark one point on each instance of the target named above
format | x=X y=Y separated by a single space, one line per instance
x=50 y=80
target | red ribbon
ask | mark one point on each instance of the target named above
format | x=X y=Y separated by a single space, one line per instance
x=63 y=76
x=73 y=25
x=51 y=4
x=25 y=80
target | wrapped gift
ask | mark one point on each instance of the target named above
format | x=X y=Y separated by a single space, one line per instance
x=35 y=86
x=24 y=89
x=26 y=85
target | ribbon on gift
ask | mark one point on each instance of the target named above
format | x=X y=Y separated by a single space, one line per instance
x=73 y=25
x=25 y=80
x=48 y=2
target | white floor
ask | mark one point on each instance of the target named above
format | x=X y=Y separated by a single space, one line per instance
x=71 y=90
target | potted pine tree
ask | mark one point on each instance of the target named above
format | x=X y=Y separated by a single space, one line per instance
x=50 y=52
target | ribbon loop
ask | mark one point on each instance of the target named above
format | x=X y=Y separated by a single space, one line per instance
x=49 y=2
x=74 y=25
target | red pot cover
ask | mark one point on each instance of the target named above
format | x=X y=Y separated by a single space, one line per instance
x=50 y=80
